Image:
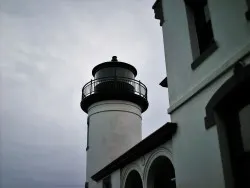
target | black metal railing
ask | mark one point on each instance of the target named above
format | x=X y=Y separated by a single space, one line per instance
x=116 y=85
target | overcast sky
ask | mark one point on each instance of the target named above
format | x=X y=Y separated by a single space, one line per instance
x=47 y=51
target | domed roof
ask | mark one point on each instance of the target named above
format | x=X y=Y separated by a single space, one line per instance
x=114 y=63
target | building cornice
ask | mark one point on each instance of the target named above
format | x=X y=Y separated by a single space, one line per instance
x=210 y=78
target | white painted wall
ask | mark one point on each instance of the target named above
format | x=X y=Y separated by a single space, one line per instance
x=114 y=127
x=196 y=151
x=231 y=32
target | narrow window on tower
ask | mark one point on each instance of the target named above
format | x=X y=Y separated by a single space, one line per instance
x=201 y=32
x=87 y=134
x=86 y=184
x=107 y=182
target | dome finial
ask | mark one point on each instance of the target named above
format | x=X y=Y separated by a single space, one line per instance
x=114 y=58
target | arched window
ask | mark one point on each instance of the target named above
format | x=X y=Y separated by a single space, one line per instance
x=161 y=174
x=133 y=180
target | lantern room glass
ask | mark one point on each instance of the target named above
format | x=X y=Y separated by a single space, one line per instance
x=114 y=71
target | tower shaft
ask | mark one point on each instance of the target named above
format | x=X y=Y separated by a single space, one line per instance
x=114 y=127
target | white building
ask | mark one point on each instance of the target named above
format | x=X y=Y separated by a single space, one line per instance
x=207 y=142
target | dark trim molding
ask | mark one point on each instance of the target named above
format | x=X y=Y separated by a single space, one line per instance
x=112 y=95
x=157 y=138
x=213 y=47
x=164 y=82
x=158 y=11
x=241 y=75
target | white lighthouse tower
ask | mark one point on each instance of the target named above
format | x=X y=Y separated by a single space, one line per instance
x=114 y=101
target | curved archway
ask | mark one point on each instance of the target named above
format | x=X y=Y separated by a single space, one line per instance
x=236 y=87
x=229 y=109
x=161 y=174
x=133 y=180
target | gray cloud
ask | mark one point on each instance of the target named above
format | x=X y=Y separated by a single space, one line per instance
x=47 y=51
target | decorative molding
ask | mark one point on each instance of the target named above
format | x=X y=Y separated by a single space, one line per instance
x=245 y=51
x=161 y=151
x=241 y=75
x=126 y=172
x=143 y=161
x=159 y=11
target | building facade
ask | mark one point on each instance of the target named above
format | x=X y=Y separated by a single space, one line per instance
x=207 y=142
x=207 y=53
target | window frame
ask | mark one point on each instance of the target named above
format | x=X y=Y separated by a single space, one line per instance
x=211 y=45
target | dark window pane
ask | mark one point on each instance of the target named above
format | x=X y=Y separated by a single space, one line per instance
x=114 y=71
x=106 y=72
x=121 y=72
x=202 y=21
x=245 y=127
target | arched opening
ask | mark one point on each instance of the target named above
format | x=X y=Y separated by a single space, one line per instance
x=161 y=174
x=231 y=104
x=133 y=180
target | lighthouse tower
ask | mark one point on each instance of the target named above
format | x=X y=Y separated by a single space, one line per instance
x=114 y=101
